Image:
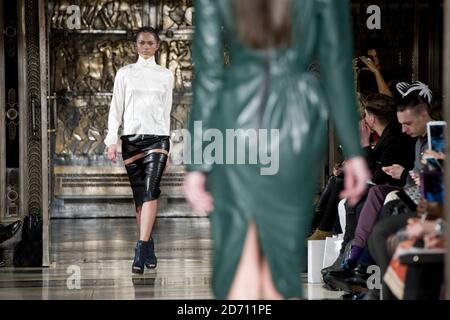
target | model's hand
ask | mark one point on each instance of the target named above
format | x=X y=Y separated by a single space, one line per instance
x=112 y=152
x=196 y=195
x=355 y=180
x=395 y=171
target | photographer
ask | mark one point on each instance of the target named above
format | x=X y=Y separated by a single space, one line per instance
x=369 y=64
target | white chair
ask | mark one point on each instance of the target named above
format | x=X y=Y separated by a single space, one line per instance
x=316 y=250
x=332 y=249
x=342 y=213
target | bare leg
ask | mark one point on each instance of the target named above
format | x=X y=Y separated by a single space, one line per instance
x=247 y=280
x=138 y=218
x=268 y=288
x=147 y=219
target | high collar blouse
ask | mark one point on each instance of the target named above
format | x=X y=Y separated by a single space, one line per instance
x=141 y=101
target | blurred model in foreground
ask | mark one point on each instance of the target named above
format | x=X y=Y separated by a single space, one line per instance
x=259 y=222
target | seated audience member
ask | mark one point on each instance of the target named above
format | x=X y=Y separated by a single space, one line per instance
x=392 y=147
x=413 y=114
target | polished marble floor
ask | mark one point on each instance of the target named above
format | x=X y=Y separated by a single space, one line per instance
x=91 y=259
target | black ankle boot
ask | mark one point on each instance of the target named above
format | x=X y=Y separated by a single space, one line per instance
x=139 y=257
x=150 y=258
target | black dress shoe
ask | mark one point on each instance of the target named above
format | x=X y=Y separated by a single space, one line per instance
x=371 y=295
x=150 y=258
x=349 y=284
x=329 y=287
x=346 y=279
x=8 y=231
x=346 y=270
x=139 y=257
x=361 y=269
x=337 y=265
x=349 y=296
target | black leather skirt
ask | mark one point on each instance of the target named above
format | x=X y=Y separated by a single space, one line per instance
x=145 y=158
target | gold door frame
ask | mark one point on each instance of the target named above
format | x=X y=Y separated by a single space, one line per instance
x=2 y=116
x=31 y=106
x=33 y=103
x=447 y=118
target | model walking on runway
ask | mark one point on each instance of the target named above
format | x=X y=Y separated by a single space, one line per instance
x=141 y=102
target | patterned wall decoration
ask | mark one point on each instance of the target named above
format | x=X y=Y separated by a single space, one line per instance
x=10 y=133
x=34 y=148
x=84 y=62
x=99 y=14
x=83 y=65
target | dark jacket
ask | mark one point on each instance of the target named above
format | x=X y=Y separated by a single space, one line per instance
x=420 y=147
x=393 y=147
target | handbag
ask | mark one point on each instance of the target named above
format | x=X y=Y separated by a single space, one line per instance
x=28 y=252
x=415 y=256
x=396 y=272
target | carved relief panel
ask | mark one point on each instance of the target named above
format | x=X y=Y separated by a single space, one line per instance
x=89 y=42
x=98 y=14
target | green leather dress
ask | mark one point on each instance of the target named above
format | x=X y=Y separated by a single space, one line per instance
x=271 y=89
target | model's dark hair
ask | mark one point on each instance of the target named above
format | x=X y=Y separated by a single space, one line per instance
x=381 y=106
x=414 y=102
x=147 y=30
x=264 y=23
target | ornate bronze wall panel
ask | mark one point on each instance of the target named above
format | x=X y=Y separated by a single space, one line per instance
x=34 y=147
x=395 y=39
x=84 y=58
x=11 y=113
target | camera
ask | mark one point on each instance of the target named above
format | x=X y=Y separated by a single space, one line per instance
x=436 y=135
x=360 y=64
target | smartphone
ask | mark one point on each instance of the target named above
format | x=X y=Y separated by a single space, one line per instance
x=432 y=181
x=436 y=135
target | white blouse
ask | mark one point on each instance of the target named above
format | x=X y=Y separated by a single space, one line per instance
x=141 y=101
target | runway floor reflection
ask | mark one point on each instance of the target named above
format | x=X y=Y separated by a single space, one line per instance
x=91 y=259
